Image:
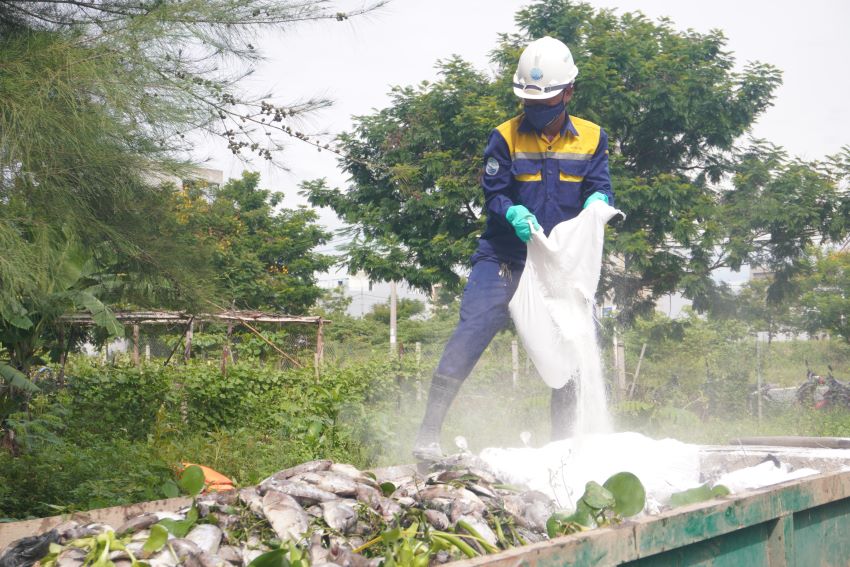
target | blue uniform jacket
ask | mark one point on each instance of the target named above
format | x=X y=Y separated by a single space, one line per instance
x=552 y=179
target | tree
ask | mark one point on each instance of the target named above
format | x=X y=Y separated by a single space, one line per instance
x=414 y=207
x=826 y=294
x=96 y=102
x=263 y=256
x=674 y=108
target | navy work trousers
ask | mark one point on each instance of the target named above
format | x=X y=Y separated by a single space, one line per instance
x=483 y=313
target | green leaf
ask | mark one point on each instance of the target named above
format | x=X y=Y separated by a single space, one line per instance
x=15 y=314
x=391 y=536
x=17 y=379
x=388 y=488
x=629 y=493
x=273 y=558
x=191 y=480
x=170 y=489
x=100 y=313
x=179 y=528
x=698 y=494
x=597 y=497
x=157 y=539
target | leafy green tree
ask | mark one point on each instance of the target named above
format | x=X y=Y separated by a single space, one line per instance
x=96 y=102
x=674 y=107
x=763 y=314
x=414 y=207
x=263 y=255
x=826 y=294
x=405 y=309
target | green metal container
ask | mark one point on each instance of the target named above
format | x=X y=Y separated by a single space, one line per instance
x=800 y=523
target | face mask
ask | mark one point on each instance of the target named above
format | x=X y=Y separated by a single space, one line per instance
x=540 y=115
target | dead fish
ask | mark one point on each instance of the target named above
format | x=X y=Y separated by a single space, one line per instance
x=537 y=496
x=71 y=557
x=536 y=514
x=515 y=506
x=339 y=515
x=224 y=521
x=368 y=495
x=288 y=520
x=406 y=501
x=221 y=498
x=64 y=528
x=354 y=474
x=251 y=498
x=141 y=522
x=318 y=552
x=86 y=530
x=207 y=536
x=346 y=558
x=252 y=549
x=184 y=547
x=230 y=554
x=339 y=484
x=310 y=466
x=443 y=505
x=314 y=511
x=389 y=508
x=305 y=493
x=202 y=559
x=437 y=519
x=480 y=526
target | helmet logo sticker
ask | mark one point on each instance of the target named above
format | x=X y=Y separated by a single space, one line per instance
x=492 y=166
x=536 y=74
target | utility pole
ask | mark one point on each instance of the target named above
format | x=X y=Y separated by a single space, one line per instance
x=393 y=321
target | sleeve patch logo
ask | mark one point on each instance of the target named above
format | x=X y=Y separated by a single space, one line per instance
x=492 y=166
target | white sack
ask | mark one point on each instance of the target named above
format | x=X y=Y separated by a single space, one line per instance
x=553 y=304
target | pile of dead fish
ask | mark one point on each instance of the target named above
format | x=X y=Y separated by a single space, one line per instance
x=331 y=513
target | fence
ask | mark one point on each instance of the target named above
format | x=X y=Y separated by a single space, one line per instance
x=287 y=341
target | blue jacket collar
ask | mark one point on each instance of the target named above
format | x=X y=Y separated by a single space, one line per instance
x=525 y=126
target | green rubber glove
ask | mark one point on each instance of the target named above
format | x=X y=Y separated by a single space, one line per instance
x=595 y=197
x=519 y=216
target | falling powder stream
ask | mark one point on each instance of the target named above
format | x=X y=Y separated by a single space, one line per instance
x=553 y=311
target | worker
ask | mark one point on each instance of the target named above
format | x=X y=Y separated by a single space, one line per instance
x=540 y=168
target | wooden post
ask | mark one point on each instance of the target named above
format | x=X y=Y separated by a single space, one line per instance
x=64 y=356
x=620 y=367
x=320 y=343
x=514 y=362
x=225 y=352
x=758 y=377
x=147 y=352
x=393 y=319
x=418 y=370
x=637 y=371
x=136 y=345
x=621 y=372
x=187 y=352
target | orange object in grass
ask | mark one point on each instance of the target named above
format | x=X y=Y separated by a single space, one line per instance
x=214 y=481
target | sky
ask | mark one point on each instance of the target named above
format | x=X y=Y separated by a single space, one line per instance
x=356 y=63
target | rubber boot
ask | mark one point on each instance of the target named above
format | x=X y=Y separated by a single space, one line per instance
x=563 y=411
x=440 y=397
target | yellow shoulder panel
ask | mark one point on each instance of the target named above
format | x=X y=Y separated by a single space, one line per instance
x=509 y=131
x=588 y=135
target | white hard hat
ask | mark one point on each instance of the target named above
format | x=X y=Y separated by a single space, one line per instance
x=545 y=68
